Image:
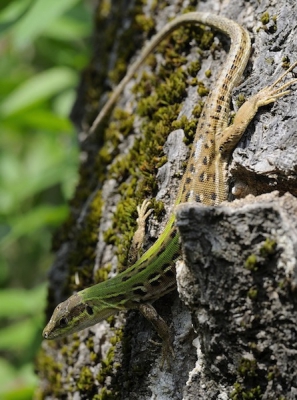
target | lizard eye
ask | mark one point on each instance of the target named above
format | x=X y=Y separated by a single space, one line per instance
x=89 y=310
x=63 y=322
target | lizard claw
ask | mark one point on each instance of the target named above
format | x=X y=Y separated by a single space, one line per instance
x=142 y=211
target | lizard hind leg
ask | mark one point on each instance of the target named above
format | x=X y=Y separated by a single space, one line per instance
x=150 y=313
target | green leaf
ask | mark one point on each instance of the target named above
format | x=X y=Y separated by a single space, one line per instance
x=22 y=393
x=50 y=162
x=5 y=26
x=63 y=103
x=4 y=4
x=20 y=302
x=41 y=15
x=33 y=220
x=20 y=335
x=41 y=119
x=7 y=372
x=66 y=28
x=16 y=384
x=40 y=87
x=4 y=272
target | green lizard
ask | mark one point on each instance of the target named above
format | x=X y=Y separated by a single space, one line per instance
x=204 y=181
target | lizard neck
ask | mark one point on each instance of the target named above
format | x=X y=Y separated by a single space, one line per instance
x=151 y=277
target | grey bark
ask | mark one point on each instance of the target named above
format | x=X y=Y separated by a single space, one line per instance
x=240 y=281
x=224 y=340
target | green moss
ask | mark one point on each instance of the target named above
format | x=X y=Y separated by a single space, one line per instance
x=104 y=8
x=208 y=73
x=282 y=284
x=286 y=62
x=240 y=100
x=241 y=393
x=191 y=7
x=64 y=350
x=107 y=364
x=94 y=358
x=106 y=394
x=85 y=381
x=109 y=236
x=252 y=293
x=154 y=4
x=246 y=388
x=169 y=92
x=193 y=82
x=265 y=18
x=145 y=23
x=51 y=371
x=129 y=41
x=272 y=373
x=198 y=109
x=188 y=126
x=194 y=68
x=202 y=90
x=102 y=273
x=268 y=248
x=247 y=367
x=253 y=346
x=90 y=343
x=158 y=207
x=121 y=126
x=270 y=376
x=251 y=263
x=124 y=223
x=206 y=42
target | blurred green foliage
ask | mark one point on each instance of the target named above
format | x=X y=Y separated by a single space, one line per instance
x=43 y=47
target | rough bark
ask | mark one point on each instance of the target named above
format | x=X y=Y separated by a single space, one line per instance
x=240 y=281
x=238 y=350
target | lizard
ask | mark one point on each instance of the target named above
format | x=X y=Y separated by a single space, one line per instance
x=204 y=181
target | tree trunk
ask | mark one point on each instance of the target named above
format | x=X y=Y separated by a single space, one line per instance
x=234 y=315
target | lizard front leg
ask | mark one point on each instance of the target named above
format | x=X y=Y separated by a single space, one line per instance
x=137 y=241
x=231 y=135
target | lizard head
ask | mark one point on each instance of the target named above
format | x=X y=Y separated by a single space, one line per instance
x=75 y=314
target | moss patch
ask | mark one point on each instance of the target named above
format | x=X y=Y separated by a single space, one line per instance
x=51 y=371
